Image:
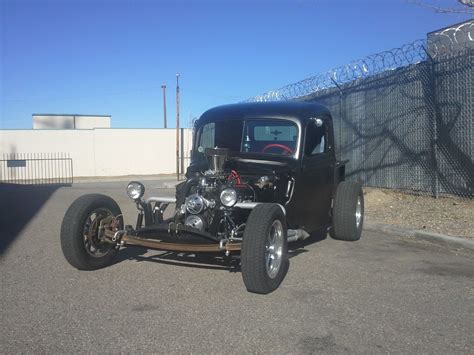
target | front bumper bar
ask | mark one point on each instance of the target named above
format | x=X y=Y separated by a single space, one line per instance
x=179 y=247
x=171 y=237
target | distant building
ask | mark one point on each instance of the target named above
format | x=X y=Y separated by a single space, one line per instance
x=68 y=121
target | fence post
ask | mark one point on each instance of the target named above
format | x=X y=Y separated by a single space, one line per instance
x=431 y=99
x=342 y=112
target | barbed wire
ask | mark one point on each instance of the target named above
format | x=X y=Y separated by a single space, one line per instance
x=438 y=43
x=371 y=65
x=451 y=39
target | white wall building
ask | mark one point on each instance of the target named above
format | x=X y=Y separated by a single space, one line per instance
x=100 y=152
x=70 y=121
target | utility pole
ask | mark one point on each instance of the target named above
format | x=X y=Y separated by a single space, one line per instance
x=164 y=103
x=177 y=126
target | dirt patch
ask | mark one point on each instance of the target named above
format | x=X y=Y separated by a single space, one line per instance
x=446 y=215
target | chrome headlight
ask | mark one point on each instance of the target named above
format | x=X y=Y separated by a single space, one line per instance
x=228 y=197
x=135 y=190
x=195 y=204
x=195 y=221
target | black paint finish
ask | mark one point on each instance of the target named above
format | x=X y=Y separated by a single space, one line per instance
x=312 y=178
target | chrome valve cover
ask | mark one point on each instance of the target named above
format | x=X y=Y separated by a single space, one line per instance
x=195 y=221
x=195 y=204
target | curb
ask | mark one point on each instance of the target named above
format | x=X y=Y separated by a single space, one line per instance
x=441 y=239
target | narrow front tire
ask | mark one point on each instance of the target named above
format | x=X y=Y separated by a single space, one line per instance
x=264 y=259
x=81 y=231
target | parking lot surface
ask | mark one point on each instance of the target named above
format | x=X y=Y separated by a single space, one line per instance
x=381 y=294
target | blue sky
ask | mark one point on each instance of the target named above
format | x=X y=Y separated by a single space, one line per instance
x=111 y=57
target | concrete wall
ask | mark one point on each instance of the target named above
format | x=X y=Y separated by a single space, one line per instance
x=103 y=152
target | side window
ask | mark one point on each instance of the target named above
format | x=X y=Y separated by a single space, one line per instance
x=206 y=140
x=316 y=139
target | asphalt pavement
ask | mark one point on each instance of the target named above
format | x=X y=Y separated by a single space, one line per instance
x=382 y=294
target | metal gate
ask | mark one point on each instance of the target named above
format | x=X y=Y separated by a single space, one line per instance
x=36 y=169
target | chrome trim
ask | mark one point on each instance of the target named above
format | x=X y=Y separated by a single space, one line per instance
x=194 y=221
x=251 y=205
x=358 y=213
x=296 y=234
x=195 y=203
x=258 y=161
x=274 y=249
x=222 y=244
x=118 y=235
x=290 y=189
x=161 y=199
x=246 y=205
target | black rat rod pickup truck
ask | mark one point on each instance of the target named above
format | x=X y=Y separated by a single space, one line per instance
x=262 y=175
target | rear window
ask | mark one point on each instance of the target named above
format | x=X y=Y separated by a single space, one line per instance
x=275 y=133
x=277 y=137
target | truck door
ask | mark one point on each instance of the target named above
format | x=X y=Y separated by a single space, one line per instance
x=313 y=190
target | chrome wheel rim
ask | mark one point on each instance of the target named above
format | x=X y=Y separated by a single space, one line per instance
x=93 y=231
x=358 y=213
x=274 y=249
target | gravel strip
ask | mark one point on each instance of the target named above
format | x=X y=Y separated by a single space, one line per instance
x=452 y=216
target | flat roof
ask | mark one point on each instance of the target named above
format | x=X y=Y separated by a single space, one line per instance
x=68 y=114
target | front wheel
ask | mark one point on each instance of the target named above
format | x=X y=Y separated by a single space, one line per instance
x=264 y=258
x=82 y=241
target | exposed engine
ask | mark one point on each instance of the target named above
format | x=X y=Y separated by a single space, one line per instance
x=206 y=202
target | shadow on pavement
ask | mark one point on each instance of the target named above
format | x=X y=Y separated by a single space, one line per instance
x=196 y=260
x=298 y=247
x=211 y=261
x=18 y=205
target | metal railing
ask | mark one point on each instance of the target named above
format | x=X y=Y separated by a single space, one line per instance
x=36 y=169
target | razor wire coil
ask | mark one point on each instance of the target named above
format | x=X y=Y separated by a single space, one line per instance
x=438 y=44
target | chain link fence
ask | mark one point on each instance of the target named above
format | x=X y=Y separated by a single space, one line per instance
x=404 y=117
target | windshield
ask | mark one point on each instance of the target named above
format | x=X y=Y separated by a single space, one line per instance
x=267 y=136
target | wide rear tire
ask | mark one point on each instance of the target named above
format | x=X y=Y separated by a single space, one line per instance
x=80 y=241
x=348 y=212
x=264 y=259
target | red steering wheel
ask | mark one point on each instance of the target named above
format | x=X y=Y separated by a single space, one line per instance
x=276 y=145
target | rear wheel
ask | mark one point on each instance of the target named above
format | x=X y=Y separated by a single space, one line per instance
x=348 y=212
x=264 y=258
x=82 y=231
